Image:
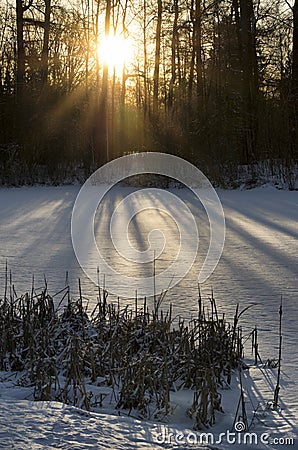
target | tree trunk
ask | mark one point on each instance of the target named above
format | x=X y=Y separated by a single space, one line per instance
x=173 y=55
x=250 y=79
x=101 y=125
x=295 y=49
x=86 y=25
x=196 y=65
x=45 y=48
x=20 y=75
x=198 y=49
x=145 y=68
x=124 y=74
x=96 y=25
x=294 y=89
x=157 y=56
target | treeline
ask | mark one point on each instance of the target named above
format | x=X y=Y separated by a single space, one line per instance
x=214 y=81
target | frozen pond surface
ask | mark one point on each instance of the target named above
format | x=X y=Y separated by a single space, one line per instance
x=258 y=266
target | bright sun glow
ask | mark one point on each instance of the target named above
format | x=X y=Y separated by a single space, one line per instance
x=115 y=51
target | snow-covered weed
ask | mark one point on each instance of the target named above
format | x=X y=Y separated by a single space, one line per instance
x=130 y=358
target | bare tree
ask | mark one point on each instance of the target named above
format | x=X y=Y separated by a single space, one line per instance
x=196 y=65
x=21 y=57
x=45 y=47
x=101 y=124
x=174 y=51
x=250 y=77
x=294 y=88
x=157 y=56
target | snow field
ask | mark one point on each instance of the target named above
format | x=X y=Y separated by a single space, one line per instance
x=258 y=266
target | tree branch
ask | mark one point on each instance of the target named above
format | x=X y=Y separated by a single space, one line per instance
x=37 y=23
x=291 y=7
x=25 y=7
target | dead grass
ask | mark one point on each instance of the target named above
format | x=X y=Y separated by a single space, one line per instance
x=141 y=355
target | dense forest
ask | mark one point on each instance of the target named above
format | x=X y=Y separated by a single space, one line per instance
x=85 y=81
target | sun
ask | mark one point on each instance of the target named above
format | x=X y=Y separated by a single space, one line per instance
x=115 y=52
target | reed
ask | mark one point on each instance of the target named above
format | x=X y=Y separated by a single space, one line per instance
x=62 y=349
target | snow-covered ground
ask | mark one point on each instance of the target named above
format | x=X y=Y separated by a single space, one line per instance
x=258 y=266
x=28 y=425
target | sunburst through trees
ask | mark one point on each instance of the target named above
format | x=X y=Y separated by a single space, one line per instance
x=85 y=81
